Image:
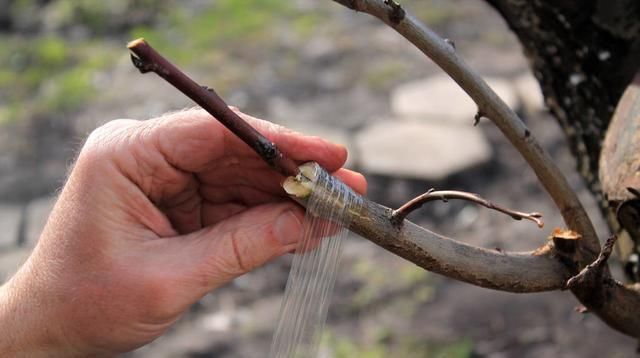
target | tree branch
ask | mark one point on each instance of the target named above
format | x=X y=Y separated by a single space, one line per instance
x=401 y=213
x=620 y=309
x=492 y=107
x=520 y=272
x=146 y=59
x=540 y=270
x=615 y=303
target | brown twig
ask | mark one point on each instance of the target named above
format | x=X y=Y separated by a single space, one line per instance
x=146 y=59
x=401 y=213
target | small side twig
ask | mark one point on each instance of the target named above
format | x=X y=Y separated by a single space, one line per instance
x=478 y=117
x=595 y=271
x=401 y=213
x=146 y=59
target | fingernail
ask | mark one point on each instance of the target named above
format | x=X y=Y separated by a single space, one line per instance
x=287 y=228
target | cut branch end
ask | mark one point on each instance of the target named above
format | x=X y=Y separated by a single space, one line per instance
x=135 y=43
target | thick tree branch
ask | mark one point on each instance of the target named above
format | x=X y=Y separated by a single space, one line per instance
x=534 y=271
x=401 y=213
x=146 y=59
x=620 y=308
x=492 y=107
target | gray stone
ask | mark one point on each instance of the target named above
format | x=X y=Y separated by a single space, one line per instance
x=439 y=98
x=10 y=216
x=529 y=92
x=11 y=261
x=420 y=149
x=346 y=110
x=37 y=214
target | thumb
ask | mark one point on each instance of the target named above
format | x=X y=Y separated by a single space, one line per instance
x=243 y=242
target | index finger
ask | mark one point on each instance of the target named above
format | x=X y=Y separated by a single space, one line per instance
x=192 y=140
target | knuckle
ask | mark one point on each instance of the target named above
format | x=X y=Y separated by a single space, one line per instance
x=106 y=139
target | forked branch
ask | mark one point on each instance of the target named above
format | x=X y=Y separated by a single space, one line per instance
x=620 y=310
x=492 y=107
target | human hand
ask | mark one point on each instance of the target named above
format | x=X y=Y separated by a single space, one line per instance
x=154 y=215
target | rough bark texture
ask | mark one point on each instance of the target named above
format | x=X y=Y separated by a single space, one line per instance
x=584 y=54
x=620 y=170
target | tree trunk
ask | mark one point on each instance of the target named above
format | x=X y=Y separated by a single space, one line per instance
x=584 y=54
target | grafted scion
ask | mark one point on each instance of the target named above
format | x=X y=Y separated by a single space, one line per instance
x=146 y=59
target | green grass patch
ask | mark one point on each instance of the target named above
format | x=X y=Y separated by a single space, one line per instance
x=188 y=37
x=48 y=74
x=388 y=344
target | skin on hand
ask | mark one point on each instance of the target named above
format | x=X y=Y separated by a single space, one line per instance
x=154 y=215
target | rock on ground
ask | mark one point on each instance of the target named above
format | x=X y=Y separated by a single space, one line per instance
x=529 y=93
x=10 y=220
x=11 y=261
x=440 y=98
x=334 y=109
x=37 y=214
x=419 y=149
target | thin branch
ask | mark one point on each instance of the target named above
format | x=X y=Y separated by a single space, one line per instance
x=401 y=213
x=491 y=106
x=146 y=59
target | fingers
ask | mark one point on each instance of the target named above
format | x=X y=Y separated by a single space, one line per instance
x=243 y=242
x=300 y=147
x=353 y=179
x=192 y=140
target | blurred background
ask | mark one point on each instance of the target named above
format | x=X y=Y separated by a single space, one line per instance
x=323 y=70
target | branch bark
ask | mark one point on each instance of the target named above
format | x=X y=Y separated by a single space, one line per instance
x=520 y=272
x=607 y=298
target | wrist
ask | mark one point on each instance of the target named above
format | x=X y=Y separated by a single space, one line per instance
x=27 y=326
